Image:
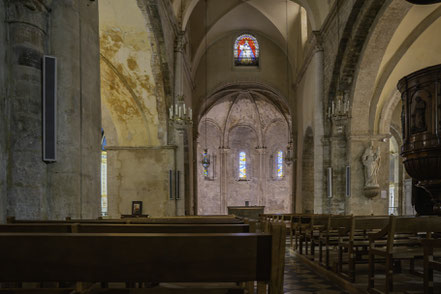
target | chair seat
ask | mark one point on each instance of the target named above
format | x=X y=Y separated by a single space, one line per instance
x=406 y=252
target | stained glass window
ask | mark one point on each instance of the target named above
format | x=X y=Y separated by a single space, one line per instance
x=246 y=50
x=280 y=164
x=103 y=174
x=204 y=163
x=242 y=165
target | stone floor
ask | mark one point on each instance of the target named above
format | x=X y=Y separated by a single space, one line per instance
x=299 y=279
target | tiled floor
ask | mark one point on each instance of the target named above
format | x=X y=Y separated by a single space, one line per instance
x=299 y=279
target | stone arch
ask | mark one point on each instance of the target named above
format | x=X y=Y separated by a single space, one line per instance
x=354 y=35
x=393 y=62
x=387 y=111
x=308 y=172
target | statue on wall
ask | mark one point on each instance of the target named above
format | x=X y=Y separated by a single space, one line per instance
x=418 y=114
x=371 y=162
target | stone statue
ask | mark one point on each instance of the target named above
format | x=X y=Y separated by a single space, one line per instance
x=371 y=162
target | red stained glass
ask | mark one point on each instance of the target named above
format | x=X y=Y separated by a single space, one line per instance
x=246 y=50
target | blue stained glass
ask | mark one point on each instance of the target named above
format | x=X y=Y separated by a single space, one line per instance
x=280 y=164
x=246 y=50
x=205 y=163
x=242 y=165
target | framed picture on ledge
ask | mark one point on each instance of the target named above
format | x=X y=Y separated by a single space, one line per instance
x=136 y=207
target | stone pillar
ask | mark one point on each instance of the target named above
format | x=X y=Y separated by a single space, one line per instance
x=179 y=166
x=69 y=187
x=338 y=151
x=319 y=178
x=27 y=24
x=224 y=153
x=3 y=116
x=262 y=176
x=74 y=180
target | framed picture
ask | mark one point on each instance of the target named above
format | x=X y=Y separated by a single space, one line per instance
x=136 y=207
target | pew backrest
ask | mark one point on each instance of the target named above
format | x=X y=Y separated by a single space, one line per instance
x=32 y=257
x=124 y=228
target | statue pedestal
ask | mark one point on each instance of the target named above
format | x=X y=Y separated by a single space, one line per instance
x=371 y=192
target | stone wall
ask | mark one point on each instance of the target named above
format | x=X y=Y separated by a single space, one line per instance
x=69 y=187
x=141 y=174
x=3 y=115
x=137 y=66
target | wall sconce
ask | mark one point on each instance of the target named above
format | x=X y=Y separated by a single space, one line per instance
x=339 y=106
x=329 y=182
x=289 y=156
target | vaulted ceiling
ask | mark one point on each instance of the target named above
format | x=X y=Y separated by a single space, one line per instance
x=208 y=20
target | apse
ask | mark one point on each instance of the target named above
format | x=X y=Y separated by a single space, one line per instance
x=244 y=137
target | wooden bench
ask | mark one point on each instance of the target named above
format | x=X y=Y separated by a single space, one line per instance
x=60 y=257
x=403 y=249
x=157 y=290
x=276 y=255
x=161 y=220
x=122 y=228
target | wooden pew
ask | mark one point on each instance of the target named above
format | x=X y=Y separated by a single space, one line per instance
x=430 y=264
x=161 y=220
x=91 y=258
x=155 y=290
x=354 y=240
x=395 y=251
x=123 y=228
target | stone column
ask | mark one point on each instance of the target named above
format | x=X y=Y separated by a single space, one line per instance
x=179 y=166
x=69 y=187
x=319 y=179
x=180 y=127
x=74 y=180
x=27 y=25
x=262 y=176
x=3 y=116
x=224 y=153
x=338 y=162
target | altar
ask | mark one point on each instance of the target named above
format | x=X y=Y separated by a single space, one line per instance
x=251 y=212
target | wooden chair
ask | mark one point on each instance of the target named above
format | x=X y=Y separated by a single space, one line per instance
x=430 y=264
x=396 y=250
x=332 y=236
x=354 y=240
x=311 y=233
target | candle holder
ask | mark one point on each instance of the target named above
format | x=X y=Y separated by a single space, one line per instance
x=179 y=113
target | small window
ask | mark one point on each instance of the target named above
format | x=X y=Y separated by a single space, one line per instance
x=246 y=51
x=242 y=166
x=104 y=204
x=280 y=164
x=205 y=163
